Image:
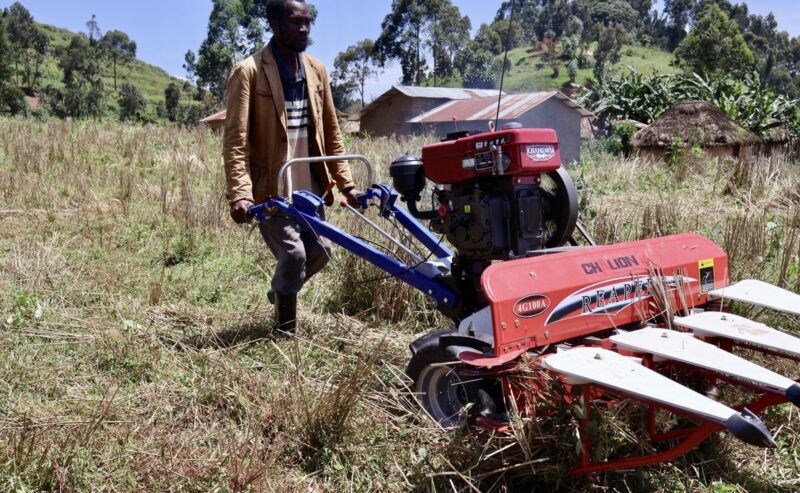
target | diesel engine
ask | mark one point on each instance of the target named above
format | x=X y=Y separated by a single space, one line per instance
x=497 y=195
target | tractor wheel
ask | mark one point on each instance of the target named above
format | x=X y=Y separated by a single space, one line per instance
x=447 y=398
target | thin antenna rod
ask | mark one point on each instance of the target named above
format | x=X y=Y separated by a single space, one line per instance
x=505 y=61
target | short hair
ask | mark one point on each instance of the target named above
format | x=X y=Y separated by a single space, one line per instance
x=277 y=8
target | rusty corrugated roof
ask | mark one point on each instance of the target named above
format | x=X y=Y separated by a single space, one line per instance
x=452 y=93
x=512 y=107
x=445 y=92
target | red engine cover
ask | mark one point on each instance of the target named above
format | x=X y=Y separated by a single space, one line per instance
x=531 y=151
x=553 y=298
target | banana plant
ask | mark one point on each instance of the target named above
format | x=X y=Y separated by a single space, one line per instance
x=644 y=98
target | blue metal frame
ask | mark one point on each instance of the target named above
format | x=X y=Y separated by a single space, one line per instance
x=304 y=206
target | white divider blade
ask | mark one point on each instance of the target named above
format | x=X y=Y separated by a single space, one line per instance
x=740 y=329
x=760 y=293
x=685 y=348
x=614 y=371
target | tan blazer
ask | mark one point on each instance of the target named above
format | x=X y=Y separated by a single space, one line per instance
x=255 y=143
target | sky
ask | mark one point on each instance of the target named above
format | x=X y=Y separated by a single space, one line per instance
x=165 y=29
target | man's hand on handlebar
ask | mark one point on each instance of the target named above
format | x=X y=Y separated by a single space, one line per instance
x=352 y=196
x=239 y=211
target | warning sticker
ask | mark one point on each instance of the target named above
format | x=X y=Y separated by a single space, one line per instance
x=706 y=275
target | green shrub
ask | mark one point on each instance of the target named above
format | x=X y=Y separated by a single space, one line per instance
x=12 y=101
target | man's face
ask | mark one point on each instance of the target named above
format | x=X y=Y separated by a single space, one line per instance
x=294 y=28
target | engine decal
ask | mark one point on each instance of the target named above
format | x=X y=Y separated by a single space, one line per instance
x=541 y=152
x=531 y=306
x=486 y=144
x=608 y=297
x=706 y=275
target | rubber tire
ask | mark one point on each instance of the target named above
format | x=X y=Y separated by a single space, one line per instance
x=446 y=410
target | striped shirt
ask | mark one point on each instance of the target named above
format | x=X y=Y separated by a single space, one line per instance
x=295 y=94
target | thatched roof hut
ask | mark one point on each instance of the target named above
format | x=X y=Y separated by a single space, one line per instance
x=695 y=123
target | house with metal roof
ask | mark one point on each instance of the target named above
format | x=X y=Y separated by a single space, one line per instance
x=390 y=112
x=532 y=110
x=216 y=121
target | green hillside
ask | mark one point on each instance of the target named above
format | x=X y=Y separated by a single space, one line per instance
x=530 y=72
x=148 y=79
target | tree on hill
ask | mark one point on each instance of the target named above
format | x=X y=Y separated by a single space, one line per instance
x=610 y=12
x=610 y=41
x=526 y=18
x=30 y=45
x=679 y=13
x=83 y=93
x=119 y=48
x=414 y=25
x=479 y=63
x=190 y=65
x=132 y=104
x=715 y=44
x=12 y=101
x=354 y=67
x=172 y=100
x=6 y=68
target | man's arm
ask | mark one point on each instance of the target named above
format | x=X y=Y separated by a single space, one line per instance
x=236 y=151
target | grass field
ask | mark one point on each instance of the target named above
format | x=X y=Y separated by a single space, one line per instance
x=136 y=352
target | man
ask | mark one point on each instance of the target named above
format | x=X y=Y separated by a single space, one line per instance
x=280 y=108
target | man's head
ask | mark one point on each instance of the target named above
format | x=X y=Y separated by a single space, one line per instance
x=290 y=21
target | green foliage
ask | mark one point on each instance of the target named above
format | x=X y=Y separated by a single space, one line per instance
x=480 y=63
x=190 y=113
x=572 y=70
x=83 y=93
x=132 y=104
x=449 y=32
x=715 y=44
x=609 y=46
x=12 y=100
x=6 y=68
x=353 y=68
x=679 y=14
x=30 y=45
x=625 y=132
x=414 y=27
x=25 y=309
x=675 y=152
x=644 y=98
x=172 y=100
x=236 y=29
x=611 y=12
x=119 y=48
x=481 y=69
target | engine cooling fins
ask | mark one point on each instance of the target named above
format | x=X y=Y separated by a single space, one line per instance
x=748 y=428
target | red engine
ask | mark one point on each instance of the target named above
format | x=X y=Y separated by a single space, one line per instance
x=497 y=195
x=515 y=152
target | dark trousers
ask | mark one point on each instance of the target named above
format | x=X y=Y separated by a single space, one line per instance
x=300 y=253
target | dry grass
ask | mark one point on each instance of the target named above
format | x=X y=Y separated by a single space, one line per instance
x=135 y=353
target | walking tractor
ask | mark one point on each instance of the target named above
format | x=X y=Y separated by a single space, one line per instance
x=527 y=289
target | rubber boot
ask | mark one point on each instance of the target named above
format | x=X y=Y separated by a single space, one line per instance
x=286 y=310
